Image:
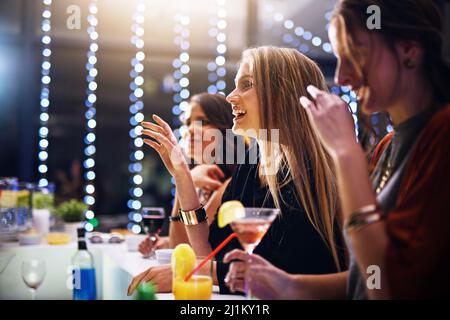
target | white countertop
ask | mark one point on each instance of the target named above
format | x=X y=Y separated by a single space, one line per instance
x=118 y=266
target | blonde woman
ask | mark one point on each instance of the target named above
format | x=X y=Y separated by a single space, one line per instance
x=298 y=178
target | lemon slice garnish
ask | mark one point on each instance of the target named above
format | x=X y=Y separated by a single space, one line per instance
x=230 y=211
x=183 y=260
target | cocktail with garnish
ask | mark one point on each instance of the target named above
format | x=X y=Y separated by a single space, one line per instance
x=199 y=285
x=250 y=231
x=249 y=224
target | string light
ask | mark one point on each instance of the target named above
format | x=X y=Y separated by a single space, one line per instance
x=136 y=117
x=216 y=68
x=296 y=36
x=350 y=98
x=180 y=87
x=43 y=142
x=90 y=116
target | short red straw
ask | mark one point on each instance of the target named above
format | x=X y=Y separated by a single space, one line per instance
x=211 y=255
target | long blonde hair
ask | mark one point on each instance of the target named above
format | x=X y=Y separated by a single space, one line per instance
x=281 y=76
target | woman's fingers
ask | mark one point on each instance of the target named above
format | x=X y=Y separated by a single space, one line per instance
x=241 y=255
x=152 y=126
x=314 y=91
x=322 y=98
x=160 y=138
x=145 y=247
x=307 y=104
x=237 y=268
x=162 y=127
x=136 y=281
x=216 y=171
x=235 y=254
x=238 y=285
x=257 y=271
x=153 y=144
x=212 y=184
x=235 y=277
x=165 y=126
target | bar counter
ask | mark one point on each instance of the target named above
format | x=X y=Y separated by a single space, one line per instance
x=115 y=267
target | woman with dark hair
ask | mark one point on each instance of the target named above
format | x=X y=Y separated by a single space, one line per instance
x=205 y=112
x=397 y=220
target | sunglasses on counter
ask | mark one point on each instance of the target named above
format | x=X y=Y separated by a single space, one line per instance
x=98 y=237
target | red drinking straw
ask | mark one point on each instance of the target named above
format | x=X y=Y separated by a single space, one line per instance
x=211 y=255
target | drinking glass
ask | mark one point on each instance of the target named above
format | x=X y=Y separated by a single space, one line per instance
x=152 y=222
x=251 y=228
x=199 y=286
x=33 y=273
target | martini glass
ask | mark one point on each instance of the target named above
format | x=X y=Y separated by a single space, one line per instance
x=251 y=228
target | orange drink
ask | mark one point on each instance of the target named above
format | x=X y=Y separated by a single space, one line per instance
x=199 y=286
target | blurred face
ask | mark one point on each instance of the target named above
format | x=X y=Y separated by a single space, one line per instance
x=198 y=124
x=377 y=88
x=244 y=102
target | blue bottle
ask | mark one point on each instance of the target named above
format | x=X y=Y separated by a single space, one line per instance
x=84 y=287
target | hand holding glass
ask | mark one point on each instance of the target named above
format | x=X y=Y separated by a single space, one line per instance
x=152 y=222
x=251 y=228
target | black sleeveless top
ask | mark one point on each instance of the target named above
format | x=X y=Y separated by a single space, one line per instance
x=291 y=243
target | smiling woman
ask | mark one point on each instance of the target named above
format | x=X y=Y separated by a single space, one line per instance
x=291 y=170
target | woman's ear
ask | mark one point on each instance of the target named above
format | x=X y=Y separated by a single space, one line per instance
x=410 y=54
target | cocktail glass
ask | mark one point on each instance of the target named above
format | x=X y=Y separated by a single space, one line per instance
x=251 y=228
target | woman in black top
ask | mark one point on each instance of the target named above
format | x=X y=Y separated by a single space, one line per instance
x=292 y=172
x=291 y=243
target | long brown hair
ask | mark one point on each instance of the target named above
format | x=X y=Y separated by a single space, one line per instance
x=407 y=20
x=219 y=114
x=281 y=76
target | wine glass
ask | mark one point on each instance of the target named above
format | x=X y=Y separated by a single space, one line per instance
x=251 y=228
x=33 y=273
x=152 y=221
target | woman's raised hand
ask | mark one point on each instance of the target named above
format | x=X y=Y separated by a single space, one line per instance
x=332 y=119
x=165 y=144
